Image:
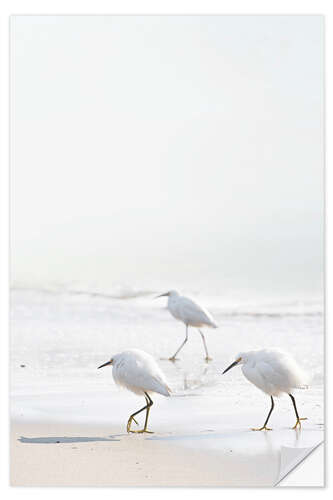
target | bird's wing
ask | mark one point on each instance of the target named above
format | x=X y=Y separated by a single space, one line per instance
x=287 y=372
x=152 y=383
x=137 y=376
x=191 y=312
x=273 y=379
x=254 y=375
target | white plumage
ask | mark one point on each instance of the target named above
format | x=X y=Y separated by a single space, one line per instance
x=191 y=314
x=274 y=372
x=138 y=372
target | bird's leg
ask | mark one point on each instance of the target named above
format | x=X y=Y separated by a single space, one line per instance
x=173 y=358
x=132 y=418
x=266 y=421
x=150 y=403
x=147 y=408
x=204 y=343
x=298 y=420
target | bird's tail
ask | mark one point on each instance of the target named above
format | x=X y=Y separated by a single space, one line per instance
x=162 y=386
x=165 y=391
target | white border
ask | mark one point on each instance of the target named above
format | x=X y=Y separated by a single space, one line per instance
x=8 y=8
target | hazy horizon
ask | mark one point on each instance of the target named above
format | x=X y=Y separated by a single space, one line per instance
x=178 y=151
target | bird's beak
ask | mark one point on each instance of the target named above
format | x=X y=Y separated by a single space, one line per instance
x=232 y=365
x=163 y=295
x=106 y=364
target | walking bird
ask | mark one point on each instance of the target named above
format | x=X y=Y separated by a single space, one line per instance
x=191 y=314
x=274 y=372
x=138 y=372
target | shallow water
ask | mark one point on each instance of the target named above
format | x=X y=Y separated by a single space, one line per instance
x=59 y=339
x=64 y=336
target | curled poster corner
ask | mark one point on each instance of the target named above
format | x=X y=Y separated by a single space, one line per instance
x=291 y=457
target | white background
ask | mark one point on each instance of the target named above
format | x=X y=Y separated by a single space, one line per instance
x=185 y=149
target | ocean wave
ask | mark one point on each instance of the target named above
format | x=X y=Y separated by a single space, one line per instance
x=120 y=292
x=220 y=304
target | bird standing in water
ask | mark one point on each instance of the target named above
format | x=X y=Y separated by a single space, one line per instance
x=139 y=373
x=274 y=372
x=192 y=314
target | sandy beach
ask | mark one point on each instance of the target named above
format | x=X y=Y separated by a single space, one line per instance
x=77 y=455
x=68 y=455
x=195 y=443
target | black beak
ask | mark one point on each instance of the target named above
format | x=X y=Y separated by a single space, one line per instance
x=105 y=364
x=163 y=295
x=231 y=366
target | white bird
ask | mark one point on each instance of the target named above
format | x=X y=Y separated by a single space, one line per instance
x=274 y=372
x=138 y=372
x=189 y=312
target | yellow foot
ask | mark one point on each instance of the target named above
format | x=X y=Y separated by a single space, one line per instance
x=298 y=422
x=173 y=359
x=128 y=428
x=264 y=428
x=207 y=358
x=142 y=431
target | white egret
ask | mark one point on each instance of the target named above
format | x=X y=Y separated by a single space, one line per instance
x=138 y=372
x=274 y=372
x=192 y=314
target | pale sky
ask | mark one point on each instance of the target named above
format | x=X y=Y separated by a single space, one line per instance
x=164 y=149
